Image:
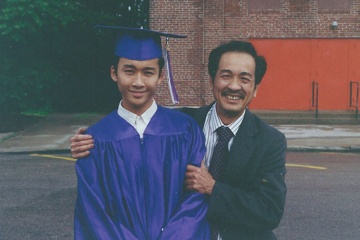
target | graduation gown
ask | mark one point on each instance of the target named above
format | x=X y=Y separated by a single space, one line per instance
x=133 y=188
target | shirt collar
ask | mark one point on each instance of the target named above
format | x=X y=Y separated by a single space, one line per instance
x=216 y=122
x=131 y=117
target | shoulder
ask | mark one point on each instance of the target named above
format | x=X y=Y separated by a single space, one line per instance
x=198 y=113
x=264 y=128
x=268 y=142
x=194 y=111
x=108 y=128
x=176 y=116
x=191 y=111
x=102 y=123
x=170 y=121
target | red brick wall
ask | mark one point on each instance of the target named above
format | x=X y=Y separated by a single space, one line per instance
x=210 y=22
x=182 y=17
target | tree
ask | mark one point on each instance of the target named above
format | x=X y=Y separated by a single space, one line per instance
x=50 y=51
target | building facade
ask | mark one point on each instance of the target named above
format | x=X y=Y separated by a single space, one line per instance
x=304 y=42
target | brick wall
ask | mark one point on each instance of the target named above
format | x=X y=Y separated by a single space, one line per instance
x=210 y=22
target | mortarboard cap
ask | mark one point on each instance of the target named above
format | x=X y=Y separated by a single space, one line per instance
x=137 y=43
x=144 y=44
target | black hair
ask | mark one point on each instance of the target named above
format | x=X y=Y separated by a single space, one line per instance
x=237 y=46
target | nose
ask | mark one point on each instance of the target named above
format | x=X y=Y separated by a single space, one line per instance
x=235 y=84
x=138 y=80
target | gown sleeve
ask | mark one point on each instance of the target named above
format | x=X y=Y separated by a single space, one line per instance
x=189 y=219
x=91 y=221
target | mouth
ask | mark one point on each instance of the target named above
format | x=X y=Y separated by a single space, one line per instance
x=137 y=94
x=234 y=97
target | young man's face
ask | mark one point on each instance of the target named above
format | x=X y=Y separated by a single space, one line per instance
x=137 y=82
x=234 y=85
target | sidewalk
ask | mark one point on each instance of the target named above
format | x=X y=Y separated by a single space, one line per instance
x=53 y=134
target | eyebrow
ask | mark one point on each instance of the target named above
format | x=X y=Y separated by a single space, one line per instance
x=246 y=74
x=225 y=71
x=133 y=67
x=150 y=68
x=241 y=74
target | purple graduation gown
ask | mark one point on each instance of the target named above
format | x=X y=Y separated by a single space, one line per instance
x=132 y=188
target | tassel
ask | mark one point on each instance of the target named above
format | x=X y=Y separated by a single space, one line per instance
x=169 y=76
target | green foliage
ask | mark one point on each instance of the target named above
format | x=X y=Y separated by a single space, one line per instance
x=23 y=17
x=50 y=53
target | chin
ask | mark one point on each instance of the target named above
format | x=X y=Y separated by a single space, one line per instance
x=234 y=112
x=231 y=109
x=233 y=106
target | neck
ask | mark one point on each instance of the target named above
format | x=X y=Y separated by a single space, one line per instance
x=228 y=117
x=137 y=110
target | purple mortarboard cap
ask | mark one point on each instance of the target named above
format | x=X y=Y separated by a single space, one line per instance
x=143 y=44
x=139 y=44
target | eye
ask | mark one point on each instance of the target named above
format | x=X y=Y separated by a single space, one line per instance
x=129 y=71
x=149 y=73
x=226 y=76
x=246 y=81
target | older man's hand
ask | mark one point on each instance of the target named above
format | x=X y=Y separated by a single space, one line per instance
x=80 y=144
x=199 y=179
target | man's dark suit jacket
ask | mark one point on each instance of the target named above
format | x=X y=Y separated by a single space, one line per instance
x=248 y=202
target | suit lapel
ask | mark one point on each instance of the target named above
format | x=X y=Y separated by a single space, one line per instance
x=243 y=145
x=244 y=142
x=200 y=115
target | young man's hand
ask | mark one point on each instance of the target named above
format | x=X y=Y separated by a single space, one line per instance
x=81 y=144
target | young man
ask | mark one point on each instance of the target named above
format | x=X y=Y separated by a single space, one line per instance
x=131 y=186
x=246 y=197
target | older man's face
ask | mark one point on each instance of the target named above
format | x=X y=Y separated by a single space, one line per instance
x=234 y=85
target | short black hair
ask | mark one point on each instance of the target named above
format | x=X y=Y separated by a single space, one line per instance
x=237 y=46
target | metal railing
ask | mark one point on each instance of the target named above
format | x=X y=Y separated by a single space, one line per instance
x=315 y=97
x=356 y=105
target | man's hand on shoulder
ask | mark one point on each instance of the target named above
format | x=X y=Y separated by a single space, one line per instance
x=81 y=144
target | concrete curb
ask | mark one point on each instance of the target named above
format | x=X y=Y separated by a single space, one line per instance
x=352 y=149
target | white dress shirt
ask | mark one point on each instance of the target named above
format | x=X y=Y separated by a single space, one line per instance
x=138 y=122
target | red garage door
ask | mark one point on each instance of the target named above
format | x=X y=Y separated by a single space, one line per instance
x=293 y=64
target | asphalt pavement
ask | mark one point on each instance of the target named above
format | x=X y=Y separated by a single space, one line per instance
x=38 y=193
x=53 y=133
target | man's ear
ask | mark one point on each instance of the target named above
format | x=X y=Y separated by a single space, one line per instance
x=161 y=77
x=113 y=74
x=211 y=83
x=256 y=89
